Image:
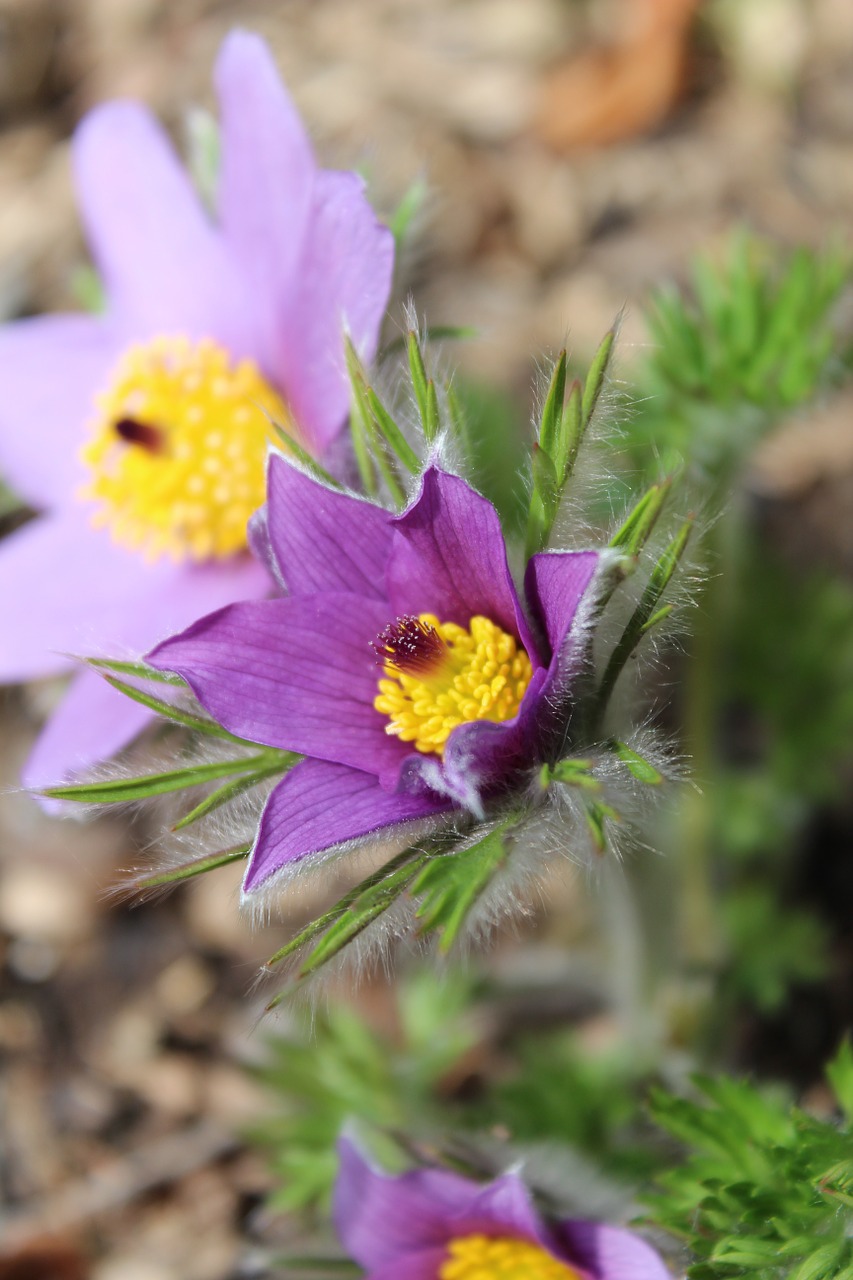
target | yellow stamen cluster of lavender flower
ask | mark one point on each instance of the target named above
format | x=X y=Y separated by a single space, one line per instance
x=179 y=448
x=438 y=675
x=478 y=1257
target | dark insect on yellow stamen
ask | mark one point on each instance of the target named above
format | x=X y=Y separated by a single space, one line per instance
x=142 y=434
x=410 y=644
x=178 y=449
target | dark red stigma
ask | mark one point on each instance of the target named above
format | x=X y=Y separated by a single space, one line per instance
x=152 y=439
x=409 y=645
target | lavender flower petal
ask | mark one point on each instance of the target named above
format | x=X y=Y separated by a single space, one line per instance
x=448 y=558
x=165 y=267
x=382 y=1219
x=50 y=369
x=416 y=1266
x=343 y=285
x=324 y=540
x=318 y=806
x=266 y=186
x=559 y=587
x=92 y=723
x=610 y=1253
x=555 y=583
x=295 y=673
x=102 y=602
x=69 y=588
x=503 y=1207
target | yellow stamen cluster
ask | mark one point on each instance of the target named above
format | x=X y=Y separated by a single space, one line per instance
x=481 y=1258
x=177 y=454
x=474 y=674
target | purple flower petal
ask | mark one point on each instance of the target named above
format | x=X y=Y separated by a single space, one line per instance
x=503 y=1208
x=481 y=757
x=68 y=587
x=324 y=540
x=342 y=286
x=448 y=558
x=165 y=266
x=382 y=1219
x=557 y=585
x=266 y=186
x=93 y=722
x=74 y=591
x=610 y=1253
x=318 y=806
x=295 y=673
x=182 y=593
x=418 y=1266
x=50 y=370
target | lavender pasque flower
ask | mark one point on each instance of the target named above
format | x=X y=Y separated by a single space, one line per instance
x=430 y=1224
x=402 y=662
x=141 y=434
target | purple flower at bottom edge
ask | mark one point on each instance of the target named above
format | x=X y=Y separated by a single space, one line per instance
x=428 y=1224
x=301 y=673
x=293 y=255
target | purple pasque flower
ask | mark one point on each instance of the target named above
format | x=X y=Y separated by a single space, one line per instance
x=212 y=325
x=430 y=1224
x=469 y=692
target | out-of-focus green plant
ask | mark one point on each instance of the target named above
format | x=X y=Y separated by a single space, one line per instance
x=754 y=338
x=765 y=1191
x=558 y=1092
x=768 y=686
x=336 y=1069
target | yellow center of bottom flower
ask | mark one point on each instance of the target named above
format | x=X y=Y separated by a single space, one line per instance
x=439 y=675
x=482 y=1258
x=177 y=456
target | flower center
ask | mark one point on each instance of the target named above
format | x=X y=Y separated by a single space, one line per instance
x=476 y=1257
x=178 y=450
x=438 y=675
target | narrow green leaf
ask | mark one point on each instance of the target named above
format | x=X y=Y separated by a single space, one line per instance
x=324 y=1266
x=431 y=333
x=594 y=381
x=545 y=481
x=292 y=446
x=119 y=790
x=230 y=790
x=570 y=432
x=572 y=773
x=543 y=501
x=451 y=883
x=597 y=815
x=359 y=426
x=418 y=375
x=635 y=530
x=316 y=927
x=658 y=616
x=839 y=1073
x=552 y=411
x=642 y=618
x=138 y=670
x=432 y=421
x=170 y=712
x=408 y=209
x=456 y=413
x=392 y=433
x=187 y=870
x=362 y=911
x=641 y=768
x=369 y=428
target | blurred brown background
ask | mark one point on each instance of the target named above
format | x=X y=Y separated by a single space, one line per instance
x=575 y=154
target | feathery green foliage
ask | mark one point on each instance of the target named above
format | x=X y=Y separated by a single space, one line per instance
x=765 y=1191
